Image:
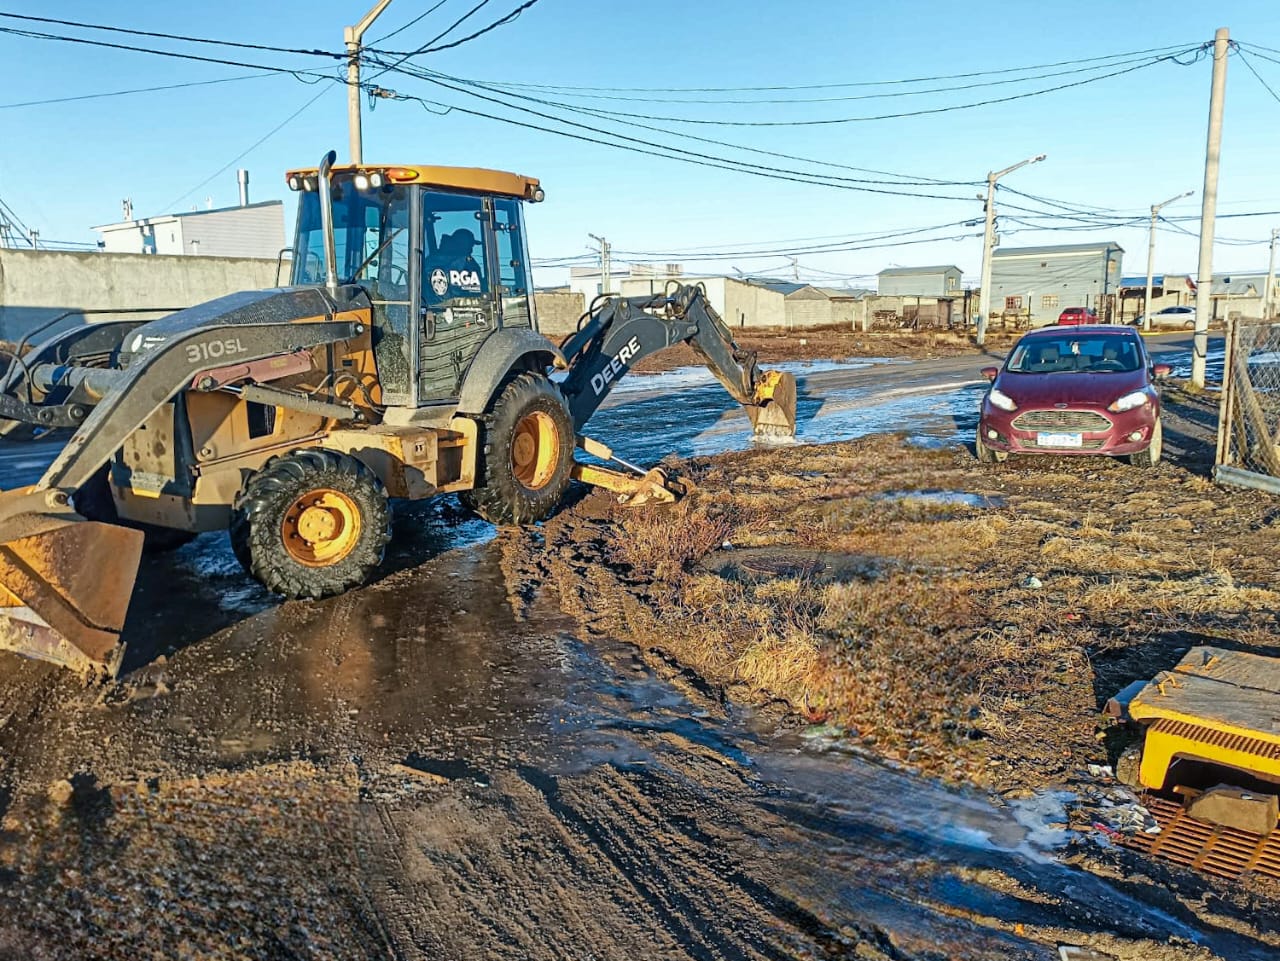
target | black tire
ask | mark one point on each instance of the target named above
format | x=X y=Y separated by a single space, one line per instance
x=1149 y=457
x=94 y=502
x=510 y=488
x=271 y=516
x=985 y=454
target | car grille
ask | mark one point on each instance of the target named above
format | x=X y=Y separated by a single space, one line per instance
x=1073 y=420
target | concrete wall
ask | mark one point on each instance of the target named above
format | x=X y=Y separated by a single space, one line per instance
x=558 y=311
x=36 y=285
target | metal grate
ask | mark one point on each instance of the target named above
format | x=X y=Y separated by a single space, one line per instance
x=1249 y=421
x=1211 y=848
x=1218 y=739
x=1081 y=420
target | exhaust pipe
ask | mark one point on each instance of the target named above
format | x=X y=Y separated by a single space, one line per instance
x=326 y=223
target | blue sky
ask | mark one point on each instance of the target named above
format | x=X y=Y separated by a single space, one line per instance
x=1120 y=144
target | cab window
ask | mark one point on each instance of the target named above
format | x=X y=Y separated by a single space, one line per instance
x=453 y=249
x=512 y=270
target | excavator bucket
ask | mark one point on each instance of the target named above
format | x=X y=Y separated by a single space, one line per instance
x=773 y=413
x=64 y=589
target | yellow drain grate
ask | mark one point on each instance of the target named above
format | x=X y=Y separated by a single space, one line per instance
x=1217 y=738
x=1211 y=848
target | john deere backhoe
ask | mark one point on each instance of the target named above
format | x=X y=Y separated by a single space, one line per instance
x=404 y=361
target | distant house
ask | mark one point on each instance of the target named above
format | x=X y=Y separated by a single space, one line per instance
x=1043 y=281
x=939 y=281
x=251 y=230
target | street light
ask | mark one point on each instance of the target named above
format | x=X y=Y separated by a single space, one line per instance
x=351 y=36
x=1151 y=257
x=988 y=245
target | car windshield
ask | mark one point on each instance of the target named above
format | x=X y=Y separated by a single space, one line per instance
x=1096 y=353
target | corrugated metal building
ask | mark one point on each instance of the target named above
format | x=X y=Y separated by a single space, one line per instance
x=1047 y=280
x=937 y=281
x=252 y=230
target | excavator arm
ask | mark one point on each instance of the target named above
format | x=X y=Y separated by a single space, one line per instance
x=623 y=330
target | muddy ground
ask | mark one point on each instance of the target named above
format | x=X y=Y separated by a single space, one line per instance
x=614 y=736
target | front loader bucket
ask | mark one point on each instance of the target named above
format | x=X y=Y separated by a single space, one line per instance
x=774 y=412
x=64 y=590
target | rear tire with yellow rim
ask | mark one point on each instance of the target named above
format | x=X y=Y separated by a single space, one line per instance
x=311 y=523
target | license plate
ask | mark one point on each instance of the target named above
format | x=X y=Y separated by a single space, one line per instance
x=1059 y=440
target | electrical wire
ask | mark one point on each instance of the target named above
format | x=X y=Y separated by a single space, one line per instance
x=863 y=83
x=1143 y=65
x=1245 y=60
x=173 y=36
x=439 y=36
x=254 y=146
x=419 y=18
x=502 y=21
x=36 y=35
x=123 y=93
x=669 y=151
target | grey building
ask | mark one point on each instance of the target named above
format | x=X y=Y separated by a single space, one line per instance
x=251 y=230
x=1047 y=280
x=937 y=281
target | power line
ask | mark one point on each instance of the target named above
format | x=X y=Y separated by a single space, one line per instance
x=419 y=18
x=904 y=180
x=689 y=156
x=911 y=113
x=35 y=35
x=502 y=21
x=1245 y=60
x=122 y=93
x=173 y=36
x=865 y=83
x=426 y=46
x=254 y=146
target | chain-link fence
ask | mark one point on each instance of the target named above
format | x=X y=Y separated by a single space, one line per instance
x=1249 y=427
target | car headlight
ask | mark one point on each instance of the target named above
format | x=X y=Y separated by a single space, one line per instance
x=1002 y=400
x=1130 y=401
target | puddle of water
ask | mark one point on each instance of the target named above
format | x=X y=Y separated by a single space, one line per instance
x=945 y=498
x=680 y=378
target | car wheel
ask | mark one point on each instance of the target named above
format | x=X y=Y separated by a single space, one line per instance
x=985 y=454
x=1189 y=325
x=1151 y=456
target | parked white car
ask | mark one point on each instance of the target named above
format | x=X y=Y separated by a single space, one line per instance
x=1183 y=318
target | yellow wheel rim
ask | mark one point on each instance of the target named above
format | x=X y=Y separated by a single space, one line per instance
x=321 y=527
x=535 y=450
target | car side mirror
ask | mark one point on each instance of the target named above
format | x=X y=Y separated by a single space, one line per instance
x=1161 y=370
x=990 y=372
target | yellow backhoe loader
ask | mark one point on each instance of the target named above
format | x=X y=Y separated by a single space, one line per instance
x=404 y=361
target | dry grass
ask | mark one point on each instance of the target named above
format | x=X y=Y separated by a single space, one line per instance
x=914 y=622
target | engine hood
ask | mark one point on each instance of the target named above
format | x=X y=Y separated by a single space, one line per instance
x=1070 y=388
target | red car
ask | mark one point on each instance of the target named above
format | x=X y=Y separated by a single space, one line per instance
x=1089 y=390
x=1078 y=315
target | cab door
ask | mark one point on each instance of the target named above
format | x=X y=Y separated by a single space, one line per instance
x=459 y=290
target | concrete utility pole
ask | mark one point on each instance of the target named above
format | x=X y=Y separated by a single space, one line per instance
x=606 y=264
x=1151 y=256
x=989 y=245
x=351 y=36
x=1209 y=206
x=1268 y=296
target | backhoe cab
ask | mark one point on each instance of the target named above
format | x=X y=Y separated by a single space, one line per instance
x=403 y=361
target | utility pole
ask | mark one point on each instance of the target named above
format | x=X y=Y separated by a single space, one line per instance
x=1209 y=207
x=1268 y=296
x=606 y=264
x=351 y=36
x=1151 y=256
x=989 y=245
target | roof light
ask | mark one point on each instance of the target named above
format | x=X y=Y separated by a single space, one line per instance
x=309 y=184
x=375 y=179
x=295 y=183
x=538 y=195
x=399 y=175
x=362 y=181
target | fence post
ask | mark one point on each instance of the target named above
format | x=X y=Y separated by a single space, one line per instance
x=1225 y=413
